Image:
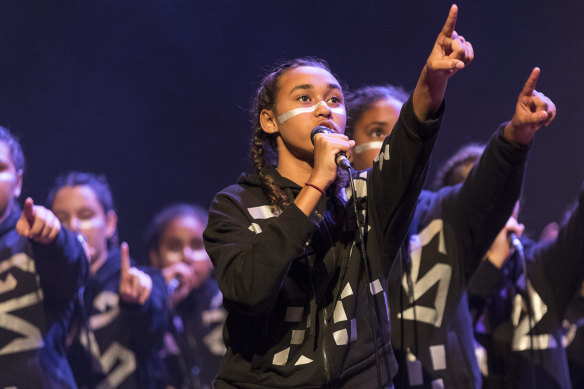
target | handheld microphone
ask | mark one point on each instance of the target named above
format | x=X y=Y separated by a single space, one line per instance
x=340 y=159
x=173 y=285
x=515 y=242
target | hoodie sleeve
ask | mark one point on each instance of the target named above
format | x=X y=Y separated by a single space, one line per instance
x=397 y=176
x=62 y=266
x=251 y=262
x=480 y=207
x=148 y=320
x=559 y=264
x=485 y=282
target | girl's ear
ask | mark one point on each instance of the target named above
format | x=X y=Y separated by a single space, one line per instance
x=268 y=121
x=111 y=223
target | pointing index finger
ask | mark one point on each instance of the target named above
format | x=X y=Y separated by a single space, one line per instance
x=125 y=260
x=531 y=82
x=450 y=24
x=29 y=211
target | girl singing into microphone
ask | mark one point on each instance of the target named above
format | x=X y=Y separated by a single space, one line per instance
x=303 y=286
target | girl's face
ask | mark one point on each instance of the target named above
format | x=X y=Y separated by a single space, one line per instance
x=78 y=208
x=308 y=97
x=371 y=129
x=182 y=241
x=10 y=180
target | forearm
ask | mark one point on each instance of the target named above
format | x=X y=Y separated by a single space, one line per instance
x=489 y=193
x=251 y=266
x=149 y=318
x=61 y=265
x=398 y=175
x=428 y=96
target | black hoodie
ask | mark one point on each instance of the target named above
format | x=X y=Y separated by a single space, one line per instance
x=124 y=338
x=38 y=287
x=450 y=233
x=529 y=337
x=295 y=287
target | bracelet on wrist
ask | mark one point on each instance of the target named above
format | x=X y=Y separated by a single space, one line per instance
x=322 y=192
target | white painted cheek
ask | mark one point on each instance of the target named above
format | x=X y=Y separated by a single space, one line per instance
x=7 y=177
x=174 y=257
x=200 y=255
x=90 y=224
x=367 y=146
x=297 y=111
x=339 y=111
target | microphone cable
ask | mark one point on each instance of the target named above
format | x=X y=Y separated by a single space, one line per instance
x=372 y=308
x=516 y=243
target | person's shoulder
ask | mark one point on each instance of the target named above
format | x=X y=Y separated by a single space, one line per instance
x=244 y=183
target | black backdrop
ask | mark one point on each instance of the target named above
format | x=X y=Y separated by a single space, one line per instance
x=154 y=94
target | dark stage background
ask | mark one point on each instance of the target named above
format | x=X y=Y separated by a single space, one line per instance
x=154 y=94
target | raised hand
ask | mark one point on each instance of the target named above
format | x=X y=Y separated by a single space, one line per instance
x=501 y=250
x=326 y=147
x=532 y=111
x=182 y=273
x=38 y=223
x=451 y=52
x=135 y=285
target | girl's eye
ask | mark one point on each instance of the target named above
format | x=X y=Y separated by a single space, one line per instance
x=303 y=98
x=378 y=132
x=334 y=100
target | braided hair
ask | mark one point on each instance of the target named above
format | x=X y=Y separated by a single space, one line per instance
x=263 y=145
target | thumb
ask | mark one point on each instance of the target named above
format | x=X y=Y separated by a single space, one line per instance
x=29 y=211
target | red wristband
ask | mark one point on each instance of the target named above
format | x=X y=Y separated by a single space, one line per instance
x=322 y=192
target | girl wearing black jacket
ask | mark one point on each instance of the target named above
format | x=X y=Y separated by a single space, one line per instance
x=303 y=309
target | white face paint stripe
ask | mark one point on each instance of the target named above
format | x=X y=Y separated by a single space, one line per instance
x=367 y=146
x=200 y=255
x=91 y=223
x=297 y=111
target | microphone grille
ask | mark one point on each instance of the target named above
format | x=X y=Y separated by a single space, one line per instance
x=319 y=130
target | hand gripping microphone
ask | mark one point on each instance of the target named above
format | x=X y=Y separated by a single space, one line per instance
x=340 y=159
x=515 y=242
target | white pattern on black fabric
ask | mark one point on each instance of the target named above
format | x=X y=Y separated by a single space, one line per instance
x=383 y=156
x=341 y=337
x=339 y=313
x=438 y=354
x=439 y=274
x=375 y=287
x=522 y=327
x=281 y=358
x=297 y=337
x=261 y=212
x=255 y=228
x=347 y=291
x=438 y=384
x=303 y=361
x=21 y=261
